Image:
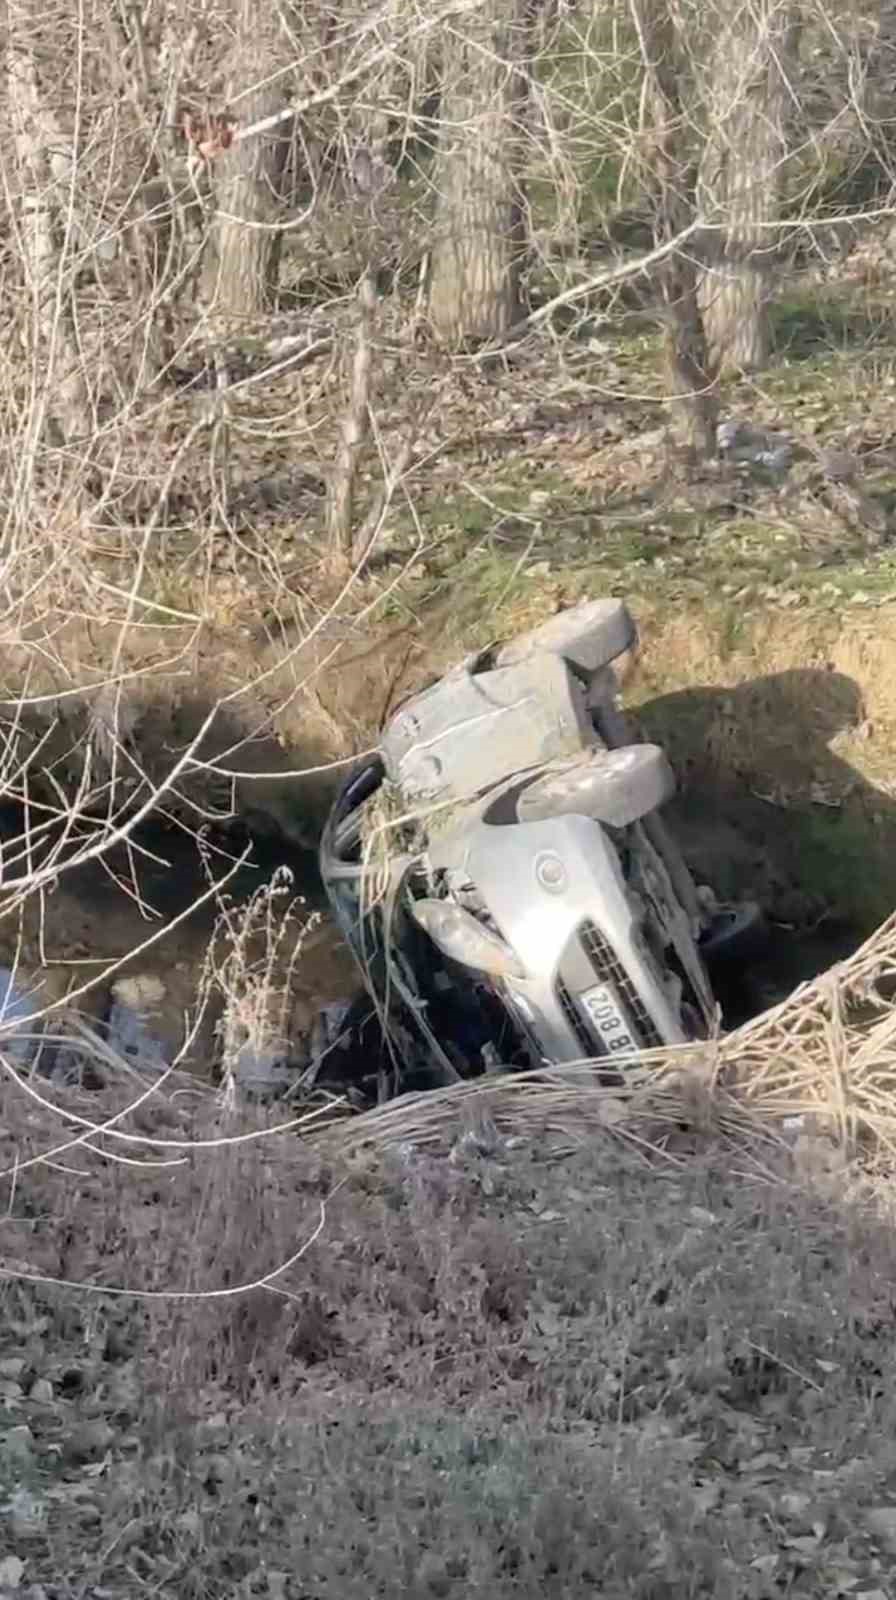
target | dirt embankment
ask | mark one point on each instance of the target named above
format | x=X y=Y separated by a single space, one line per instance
x=785 y=747
x=784 y=742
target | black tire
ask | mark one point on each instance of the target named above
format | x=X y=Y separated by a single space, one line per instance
x=588 y=636
x=616 y=787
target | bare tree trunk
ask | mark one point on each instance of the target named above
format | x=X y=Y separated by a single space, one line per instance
x=161 y=248
x=353 y=433
x=876 y=101
x=47 y=222
x=478 y=250
x=690 y=368
x=740 y=178
x=244 y=262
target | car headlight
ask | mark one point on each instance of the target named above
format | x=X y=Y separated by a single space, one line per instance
x=459 y=936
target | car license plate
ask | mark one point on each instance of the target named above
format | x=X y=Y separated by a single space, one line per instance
x=609 y=1020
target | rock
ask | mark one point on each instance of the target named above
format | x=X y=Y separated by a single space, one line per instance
x=41 y=1391
x=12 y=1571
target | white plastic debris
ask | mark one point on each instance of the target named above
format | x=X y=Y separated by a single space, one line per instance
x=776 y=459
x=12 y=1570
x=18 y=1031
x=741 y=442
x=129 y=1024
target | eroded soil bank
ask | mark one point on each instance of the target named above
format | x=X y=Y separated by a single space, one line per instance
x=782 y=733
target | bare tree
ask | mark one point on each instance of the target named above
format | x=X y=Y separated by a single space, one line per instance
x=873 y=66
x=479 y=244
x=162 y=239
x=747 y=109
x=48 y=227
x=671 y=176
x=251 y=174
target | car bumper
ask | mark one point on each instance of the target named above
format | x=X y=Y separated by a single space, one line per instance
x=558 y=897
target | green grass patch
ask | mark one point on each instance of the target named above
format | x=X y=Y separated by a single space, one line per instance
x=811 y=325
x=848 y=859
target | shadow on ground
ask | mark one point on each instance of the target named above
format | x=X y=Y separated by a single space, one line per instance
x=239 y=802
x=767 y=809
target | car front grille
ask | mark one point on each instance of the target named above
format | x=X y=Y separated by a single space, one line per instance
x=574 y=1018
x=609 y=969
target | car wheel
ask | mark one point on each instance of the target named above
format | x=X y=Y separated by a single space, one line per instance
x=588 y=636
x=616 y=787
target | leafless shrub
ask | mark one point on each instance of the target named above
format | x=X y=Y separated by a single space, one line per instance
x=249 y=974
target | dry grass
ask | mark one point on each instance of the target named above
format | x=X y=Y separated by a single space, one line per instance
x=633 y=1341
x=579 y=1363
x=250 y=980
x=824 y=1057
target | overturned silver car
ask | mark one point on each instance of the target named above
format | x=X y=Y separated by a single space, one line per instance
x=502 y=871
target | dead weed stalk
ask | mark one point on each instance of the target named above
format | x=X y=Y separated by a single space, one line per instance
x=249 y=972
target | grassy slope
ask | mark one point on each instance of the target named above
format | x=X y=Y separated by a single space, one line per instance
x=565 y=1371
